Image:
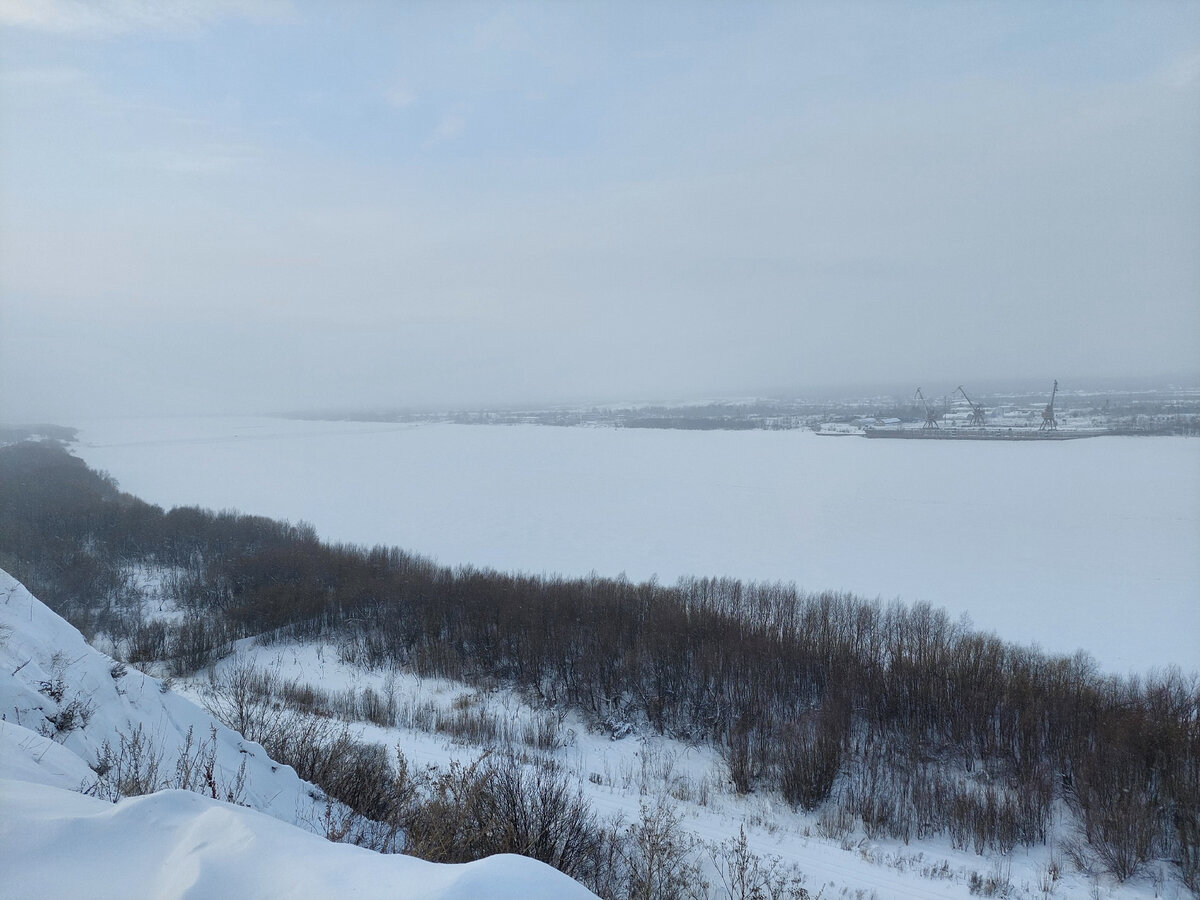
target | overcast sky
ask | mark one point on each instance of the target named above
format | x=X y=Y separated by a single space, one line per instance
x=253 y=205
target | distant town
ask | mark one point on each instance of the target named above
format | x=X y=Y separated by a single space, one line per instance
x=1154 y=411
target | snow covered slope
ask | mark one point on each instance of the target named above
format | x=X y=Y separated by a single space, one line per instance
x=61 y=689
x=61 y=701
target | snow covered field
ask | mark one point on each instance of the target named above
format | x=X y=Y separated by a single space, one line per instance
x=1084 y=544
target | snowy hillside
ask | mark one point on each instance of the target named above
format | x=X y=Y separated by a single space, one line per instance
x=66 y=707
x=179 y=843
x=441 y=722
x=64 y=691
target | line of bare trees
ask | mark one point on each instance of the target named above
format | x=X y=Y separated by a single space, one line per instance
x=911 y=722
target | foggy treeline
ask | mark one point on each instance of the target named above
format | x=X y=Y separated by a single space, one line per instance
x=896 y=718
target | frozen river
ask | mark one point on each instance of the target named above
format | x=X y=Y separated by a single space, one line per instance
x=1091 y=544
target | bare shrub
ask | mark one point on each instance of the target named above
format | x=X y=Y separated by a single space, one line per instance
x=69 y=716
x=243 y=698
x=810 y=758
x=744 y=875
x=196 y=770
x=739 y=761
x=147 y=642
x=196 y=643
x=875 y=793
x=1188 y=831
x=304 y=697
x=129 y=770
x=500 y=805
x=55 y=688
x=543 y=814
x=72 y=715
x=997 y=882
x=543 y=733
x=135 y=767
x=377 y=801
x=835 y=822
x=661 y=859
x=470 y=725
x=607 y=873
x=1118 y=813
x=440 y=829
x=1121 y=831
x=374 y=707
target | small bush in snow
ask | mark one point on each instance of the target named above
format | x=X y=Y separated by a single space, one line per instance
x=501 y=805
x=196 y=770
x=53 y=690
x=130 y=769
x=135 y=767
x=744 y=875
x=662 y=859
x=71 y=716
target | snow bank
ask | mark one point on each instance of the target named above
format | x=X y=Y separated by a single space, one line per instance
x=55 y=843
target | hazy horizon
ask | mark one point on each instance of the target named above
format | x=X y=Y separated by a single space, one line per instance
x=935 y=388
x=256 y=206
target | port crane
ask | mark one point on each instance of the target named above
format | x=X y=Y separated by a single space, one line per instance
x=976 y=409
x=1049 y=423
x=931 y=416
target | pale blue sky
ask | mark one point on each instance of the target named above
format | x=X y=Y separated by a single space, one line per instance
x=255 y=204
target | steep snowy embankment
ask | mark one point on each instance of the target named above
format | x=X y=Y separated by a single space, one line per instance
x=59 y=687
x=61 y=701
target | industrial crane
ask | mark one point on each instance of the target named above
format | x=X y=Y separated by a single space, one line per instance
x=1049 y=423
x=976 y=410
x=931 y=417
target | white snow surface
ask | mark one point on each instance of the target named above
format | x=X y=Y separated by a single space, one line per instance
x=1090 y=544
x=57 y=842
x=177 y=844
